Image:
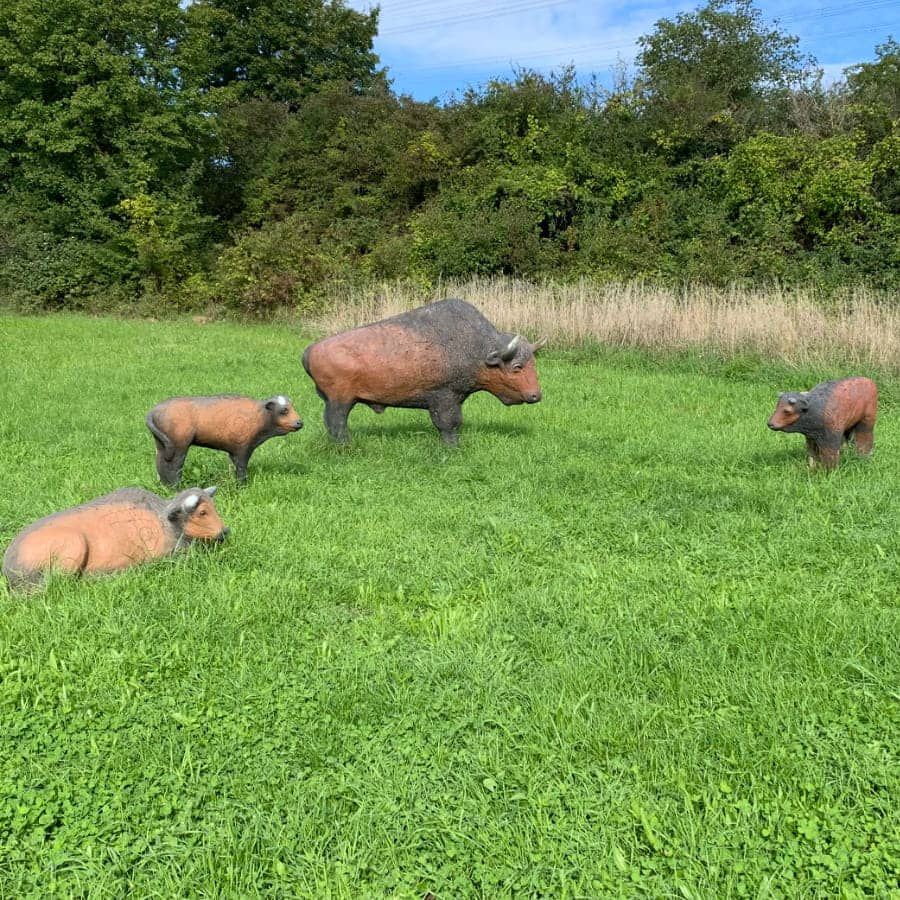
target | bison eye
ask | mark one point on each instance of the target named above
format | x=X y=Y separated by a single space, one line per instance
x=517 y=367
x=202 y=512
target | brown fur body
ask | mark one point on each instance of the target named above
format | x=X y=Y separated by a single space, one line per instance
x=430 y=358
x=828 y=415
x=122 y=529
x=237 y=425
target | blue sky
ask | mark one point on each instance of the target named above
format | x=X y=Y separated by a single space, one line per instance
x=433 y=49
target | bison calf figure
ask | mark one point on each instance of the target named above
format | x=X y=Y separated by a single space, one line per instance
x=237 y=425
x=430 y=358
x=122 y=529
x=828 y=415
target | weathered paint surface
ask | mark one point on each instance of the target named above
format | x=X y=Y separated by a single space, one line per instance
x=828 y=415
x=122 y=529
x=433 y=358
x=237 y=425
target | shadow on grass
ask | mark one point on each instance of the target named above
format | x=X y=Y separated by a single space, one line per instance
x=277 y=467
x=796 y=457
x=399 y=429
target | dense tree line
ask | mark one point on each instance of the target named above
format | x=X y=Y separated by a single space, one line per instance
x=250 y=153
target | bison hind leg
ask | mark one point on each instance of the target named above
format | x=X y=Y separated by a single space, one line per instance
x=336 y=415
x=25 y=581
x=239 y=459
x=830 y=455
x=169 y=469
x=67 y=551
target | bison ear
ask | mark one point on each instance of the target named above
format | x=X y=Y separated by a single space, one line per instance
x=270 y=405
x=802 y=403
x=173 y=512
x=493 y=358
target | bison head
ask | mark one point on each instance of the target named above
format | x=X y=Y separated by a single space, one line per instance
x=283 y=415
x=510 y=373
x=788 y=411
x=194 y=514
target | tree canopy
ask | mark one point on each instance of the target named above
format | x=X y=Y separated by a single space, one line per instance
x=249 y=154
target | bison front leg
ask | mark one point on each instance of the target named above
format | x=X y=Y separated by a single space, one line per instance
x=864 y=435
x=812 y=453
x=336 y=415
x=446 y=414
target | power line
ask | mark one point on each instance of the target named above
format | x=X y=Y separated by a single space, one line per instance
x=406 y=6
x=825 y=12
x=609 y=62
x=534 y=5
x=498 y=12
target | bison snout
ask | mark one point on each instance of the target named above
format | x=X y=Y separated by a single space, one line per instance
x=771 y=424
x=223 y=534
x=298 y=424
x=533 y=397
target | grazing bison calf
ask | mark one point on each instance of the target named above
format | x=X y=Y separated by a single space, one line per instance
x=122 y=529
x=430 y=358
x=829 y=414
x=237 y=425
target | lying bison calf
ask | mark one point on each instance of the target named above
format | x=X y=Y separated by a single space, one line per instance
x=829 y=414
x=122 y=529
x=237 y=425
x=430 y=358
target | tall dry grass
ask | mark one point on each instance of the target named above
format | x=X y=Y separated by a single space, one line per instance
x=791 y=326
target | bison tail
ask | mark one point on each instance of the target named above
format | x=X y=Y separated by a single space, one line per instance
x=161 y=436
x=305 y=360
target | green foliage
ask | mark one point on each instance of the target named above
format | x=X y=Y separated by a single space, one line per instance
x=710 y=76
x=272 y=268
x=511 y=202
x=254 y=155
x=500 y=671
x=794 y=193
x=279 y=50
x=874 y=90
x=329 y=189
x=92 y=116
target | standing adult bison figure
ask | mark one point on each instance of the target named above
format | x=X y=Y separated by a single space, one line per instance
x=430 y=358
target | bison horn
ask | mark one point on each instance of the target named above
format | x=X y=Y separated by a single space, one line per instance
x=510 y=350
x=541 y=343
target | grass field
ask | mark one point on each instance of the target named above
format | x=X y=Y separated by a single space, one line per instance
x=621 y=643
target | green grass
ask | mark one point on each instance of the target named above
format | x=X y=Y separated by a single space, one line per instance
x=621 y=643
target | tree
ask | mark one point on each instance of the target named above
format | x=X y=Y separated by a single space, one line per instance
x=92 y=115
x=709 y=77
x=874 y=89
x=280 y=50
